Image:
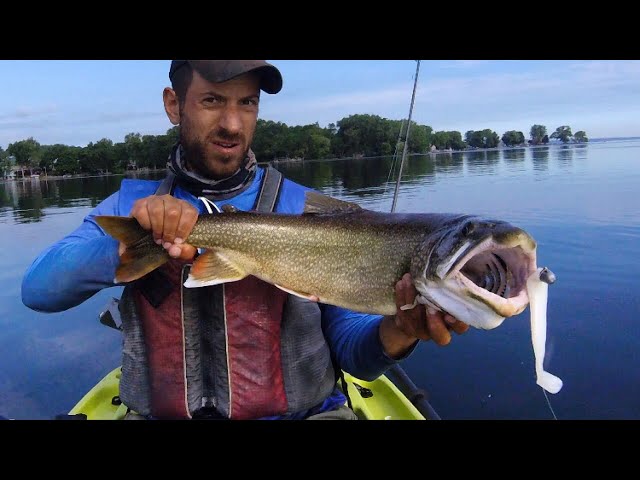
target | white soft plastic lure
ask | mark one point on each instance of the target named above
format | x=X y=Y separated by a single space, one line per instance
x=537 y=292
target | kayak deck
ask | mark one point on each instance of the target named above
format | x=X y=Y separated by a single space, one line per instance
x=376 y=400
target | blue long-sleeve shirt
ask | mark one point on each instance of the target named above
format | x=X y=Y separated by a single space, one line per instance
x=84 y=262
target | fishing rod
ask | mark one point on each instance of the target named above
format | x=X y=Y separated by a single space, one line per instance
x=417 y=396
x=398 y=376
x=406 y=138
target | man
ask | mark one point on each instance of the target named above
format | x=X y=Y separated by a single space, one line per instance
x=241 y=350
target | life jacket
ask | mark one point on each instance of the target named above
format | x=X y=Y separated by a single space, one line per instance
x=240 y=350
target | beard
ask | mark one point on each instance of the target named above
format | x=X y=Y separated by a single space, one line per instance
x=214 y=166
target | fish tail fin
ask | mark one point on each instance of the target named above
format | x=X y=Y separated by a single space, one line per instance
x=549 y=382
x=142 y=254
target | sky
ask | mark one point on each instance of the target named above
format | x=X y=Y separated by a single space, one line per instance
x=75 y=102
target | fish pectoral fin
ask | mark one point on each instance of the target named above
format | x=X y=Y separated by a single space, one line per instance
x=213 y=268
x=304 y=295
x=317 y=203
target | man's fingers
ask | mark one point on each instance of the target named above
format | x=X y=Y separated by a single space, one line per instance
x=172 y=215
x=155 y=209
x=405 y=291
x=400 y=297
x=169 y=219
x=455 y=324
x=141 y=214
x=459 y=327
x=422 y=321
x=188 y=219
x=437 y=327
x=183 y=251
x=410 y=291
x=450 y=319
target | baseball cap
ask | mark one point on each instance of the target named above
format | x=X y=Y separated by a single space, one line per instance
x=217 y=71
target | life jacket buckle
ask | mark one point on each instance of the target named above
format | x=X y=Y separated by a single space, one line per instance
x=110 y=316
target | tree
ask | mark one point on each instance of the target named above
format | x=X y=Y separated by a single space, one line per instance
x=448 y=140
x=27 y=153
x=538 y=135
x=98 y=157
x=5 y=166
x=419 y=138
x=60 y=158
x=270 y=140
x=154 y=151
x=513 y=138
x=134 y=149
x=580 y=137
x=482 y=138
x=563 y=134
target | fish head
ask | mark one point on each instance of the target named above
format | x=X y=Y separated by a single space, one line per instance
x=475 y=269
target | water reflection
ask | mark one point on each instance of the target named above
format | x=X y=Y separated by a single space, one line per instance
x=565 y=157
x=514 y=155
x=540 y=158
x=580 y=151
x=30 y=199
x=482 y=162
x=493 y=157
x=361 y=176
x=449 y=163
x=419 y=169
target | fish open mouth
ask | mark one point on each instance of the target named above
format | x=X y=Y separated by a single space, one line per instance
x=497 y=274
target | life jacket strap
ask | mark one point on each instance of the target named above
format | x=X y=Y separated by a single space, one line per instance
x=270 y=191
x=167 y=185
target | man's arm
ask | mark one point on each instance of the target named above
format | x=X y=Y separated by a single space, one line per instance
x=75 y=268
x=84 y=262
x=367 y=345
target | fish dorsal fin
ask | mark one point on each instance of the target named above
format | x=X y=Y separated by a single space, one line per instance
x=317 y=203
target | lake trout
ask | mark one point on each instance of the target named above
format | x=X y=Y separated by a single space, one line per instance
x=474 y=268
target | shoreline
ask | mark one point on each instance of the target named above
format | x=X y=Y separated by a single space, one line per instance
x=291 y=160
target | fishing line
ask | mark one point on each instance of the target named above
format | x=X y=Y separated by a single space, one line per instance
x=394 y=159
x=395 y=153
x=549 y=403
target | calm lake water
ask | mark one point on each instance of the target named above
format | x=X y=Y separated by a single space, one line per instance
x=580 y=203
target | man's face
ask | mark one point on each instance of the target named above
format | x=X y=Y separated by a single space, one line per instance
x=217 y=123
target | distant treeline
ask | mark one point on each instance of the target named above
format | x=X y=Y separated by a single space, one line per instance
x=353 y=136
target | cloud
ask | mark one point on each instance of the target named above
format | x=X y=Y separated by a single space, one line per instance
x=127 y=116
x=29 y=112
x=352 y=100
x=79 y=128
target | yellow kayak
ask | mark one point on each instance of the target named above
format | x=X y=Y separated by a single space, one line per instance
x=380 y=399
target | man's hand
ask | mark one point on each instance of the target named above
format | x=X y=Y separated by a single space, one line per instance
x=399 y=332
x=170 y=221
